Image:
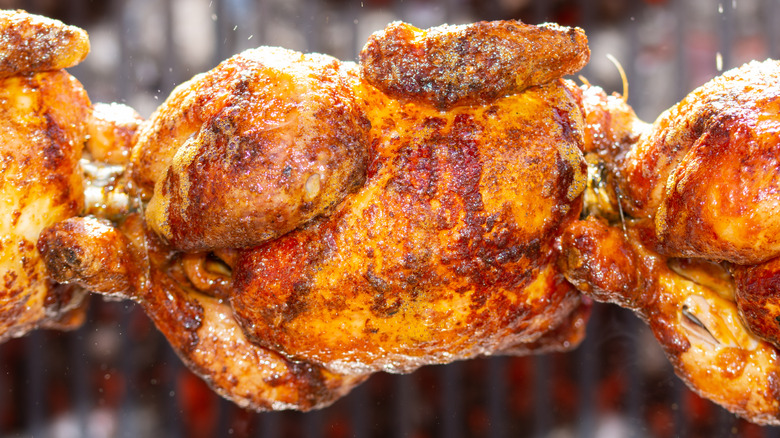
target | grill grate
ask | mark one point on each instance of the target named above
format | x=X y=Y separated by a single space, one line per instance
x=116 y=375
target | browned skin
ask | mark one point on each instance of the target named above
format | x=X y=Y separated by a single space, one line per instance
x=131 y=262
x=110 y=133
x=252 y=149
x=611 y=130
x=32 y=43
x=447 y=66
x=689 y=308
x=709 y=170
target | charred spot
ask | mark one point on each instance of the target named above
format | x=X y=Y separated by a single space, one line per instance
x=59 y=296
x=311 y=384
x=376 y=282
x=417 y=171
x=479 y=298
x=382 y=306
x=9 y=279
x=296 y=302
x=54 y=155
x=564 y=121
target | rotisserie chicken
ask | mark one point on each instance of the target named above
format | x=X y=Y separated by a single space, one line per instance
x=311 y=221
x=696 y=256
x=42 y=131
x=49 y=127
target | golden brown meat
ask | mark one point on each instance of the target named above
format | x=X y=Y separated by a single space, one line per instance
x=383 y=232
x=446 y=251
x=252 y=149
x=447 y=66
x=42 y=132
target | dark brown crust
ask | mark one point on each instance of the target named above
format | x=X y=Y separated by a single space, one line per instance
x=448 y=66
x=32 y=43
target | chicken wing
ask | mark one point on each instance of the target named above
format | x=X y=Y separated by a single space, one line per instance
x=130 y=261
x=31 y=43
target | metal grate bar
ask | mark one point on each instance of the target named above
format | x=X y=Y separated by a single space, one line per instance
x=452 y=400
x=128 y=427
x=497 y=396
x=402 y=400
x=587 y=357
x=543 y=418
x=35 y=392
x=79 y=376
x=634 y=376
x=5 y=402
x=359 y=413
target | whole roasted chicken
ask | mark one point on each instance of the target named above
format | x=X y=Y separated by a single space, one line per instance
x=42 y=133
x=696 y=254
x=307 y=222
x=49 y=128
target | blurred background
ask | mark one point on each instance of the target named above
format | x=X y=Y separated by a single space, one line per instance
x=116 y=376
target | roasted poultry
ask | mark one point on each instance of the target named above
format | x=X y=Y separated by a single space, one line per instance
x=308 y=221
x=696 y=254
x=42 y=133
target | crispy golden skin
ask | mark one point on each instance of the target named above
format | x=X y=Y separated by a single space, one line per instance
x=709 y=171
x=42 y=123
x=688 y=304
x=252 y=149
x=131 y=262
x=32 y=43
x=758 y=297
